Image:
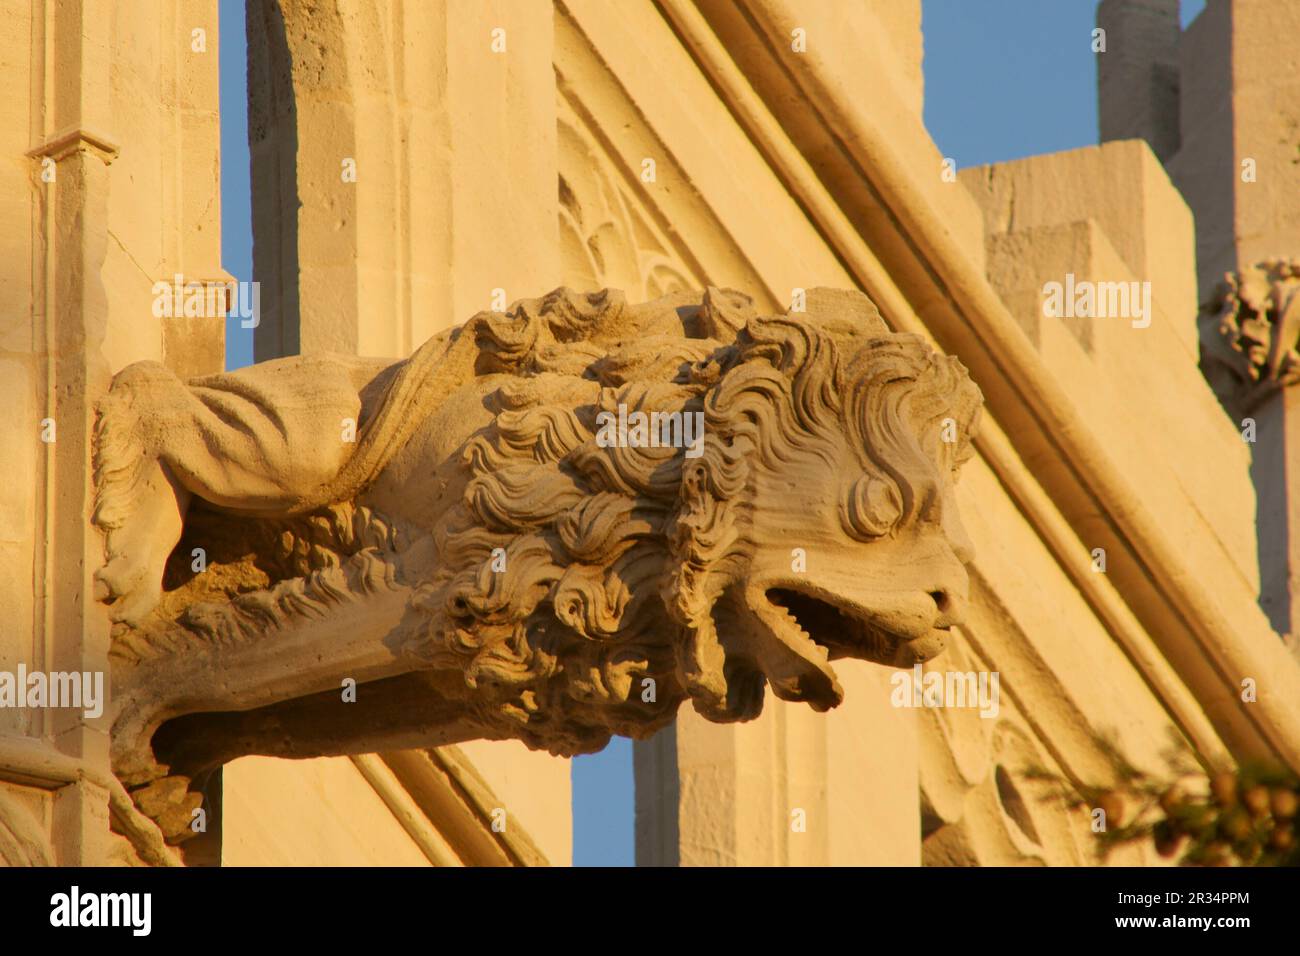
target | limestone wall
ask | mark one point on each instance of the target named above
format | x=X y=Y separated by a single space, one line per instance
x=771 y=147
x=1109 y=214
x=109 y=182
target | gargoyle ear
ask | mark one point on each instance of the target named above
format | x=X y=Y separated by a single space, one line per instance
x=831 y=307
x=724 y=312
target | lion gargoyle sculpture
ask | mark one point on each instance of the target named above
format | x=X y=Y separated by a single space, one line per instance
x=553 y=524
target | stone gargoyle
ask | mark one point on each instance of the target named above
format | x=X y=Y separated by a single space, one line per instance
x=469 y=537
x=1250 y=334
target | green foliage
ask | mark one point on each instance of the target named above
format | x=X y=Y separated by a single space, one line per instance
x=1245 y=817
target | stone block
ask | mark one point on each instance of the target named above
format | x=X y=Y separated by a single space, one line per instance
x=1125 y=190
x=1144 y=393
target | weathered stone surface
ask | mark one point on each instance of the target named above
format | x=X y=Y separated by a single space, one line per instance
x=430 y=188
x=22 y=837
x=1250 y=333
x=521 y=166
x=1137 y=74
x=1122 y=225
x=264 y=799
x=491 y=540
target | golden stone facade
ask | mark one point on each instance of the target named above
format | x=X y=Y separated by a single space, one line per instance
x=399 y=550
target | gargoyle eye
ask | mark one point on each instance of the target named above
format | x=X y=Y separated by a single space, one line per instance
x=874 y=507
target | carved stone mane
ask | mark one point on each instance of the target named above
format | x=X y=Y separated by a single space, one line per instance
x=1250 y=333
x=520 y=531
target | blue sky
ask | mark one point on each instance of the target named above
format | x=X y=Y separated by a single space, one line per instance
x=236 y=199
x=1003 y=79
x=1011 y=78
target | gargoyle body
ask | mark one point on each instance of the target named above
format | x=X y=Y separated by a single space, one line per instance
x=463 y=536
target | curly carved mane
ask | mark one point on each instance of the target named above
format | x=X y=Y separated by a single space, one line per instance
x=1250 y=332
x=575 y=582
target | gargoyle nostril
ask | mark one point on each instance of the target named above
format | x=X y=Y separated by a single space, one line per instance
x=941 y=601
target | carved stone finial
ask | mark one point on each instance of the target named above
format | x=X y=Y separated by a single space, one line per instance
x=1250 y=331
x=553 y=524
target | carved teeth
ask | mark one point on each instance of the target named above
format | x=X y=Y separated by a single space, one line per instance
x=792 y=623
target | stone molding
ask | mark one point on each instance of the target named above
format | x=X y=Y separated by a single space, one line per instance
x=75 y=139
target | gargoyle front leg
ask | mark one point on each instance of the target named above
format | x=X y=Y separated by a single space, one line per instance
x=136 y=553
x=253 y=442
x=140 y=504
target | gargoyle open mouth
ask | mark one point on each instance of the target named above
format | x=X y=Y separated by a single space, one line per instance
x=844 y=632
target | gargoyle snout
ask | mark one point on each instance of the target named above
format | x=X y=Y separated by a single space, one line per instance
x=951 y=604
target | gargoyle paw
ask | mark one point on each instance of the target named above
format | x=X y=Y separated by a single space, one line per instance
x=136 y=587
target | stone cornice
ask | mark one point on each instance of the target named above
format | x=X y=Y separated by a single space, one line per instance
x=74 y=139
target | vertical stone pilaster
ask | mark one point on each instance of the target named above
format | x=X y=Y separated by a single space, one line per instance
x=67 y=163
x=792 y=788
x=1266 y=129
x=110 y=168
x=658 y=799
x=1239 y=165
x=1137 y=75
x=1273 y=468
x=1205 y=168
x=1239 y=170
x=425 y=136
